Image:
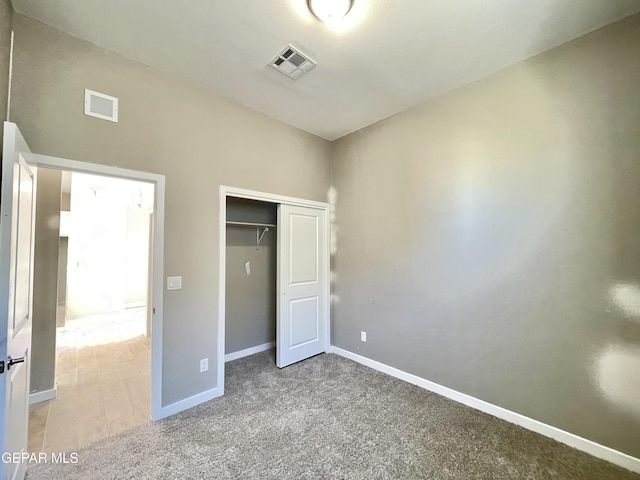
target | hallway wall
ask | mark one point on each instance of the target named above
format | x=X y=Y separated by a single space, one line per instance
x=45 y=280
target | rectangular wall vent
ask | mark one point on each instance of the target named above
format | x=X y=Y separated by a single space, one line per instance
x=292 y=63
x=100 y=105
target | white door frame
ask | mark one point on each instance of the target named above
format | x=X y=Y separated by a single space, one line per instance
x=56 y=163
x=225 y=192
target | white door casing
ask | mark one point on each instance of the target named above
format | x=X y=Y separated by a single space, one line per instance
x=302 y=315
x=158 y=411
x=17 y=215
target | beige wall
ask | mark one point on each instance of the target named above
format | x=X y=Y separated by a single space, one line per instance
x=196 y=139
x=63 y=255
x=250 y=299
x=489 y=240
x=45 y=280
x=65 y=205
x=6 y=13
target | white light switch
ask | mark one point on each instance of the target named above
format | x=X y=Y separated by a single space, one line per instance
x=247 y=267
x=174 y=283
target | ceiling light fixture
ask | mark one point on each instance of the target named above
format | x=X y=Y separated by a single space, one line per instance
x=330 y=10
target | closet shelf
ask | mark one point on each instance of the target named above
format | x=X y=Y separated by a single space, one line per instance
x=259 y=235
x=251 y=224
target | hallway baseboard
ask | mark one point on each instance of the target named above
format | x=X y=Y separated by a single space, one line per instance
x=42 y=396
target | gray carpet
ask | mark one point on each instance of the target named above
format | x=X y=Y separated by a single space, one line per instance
x=327 y=418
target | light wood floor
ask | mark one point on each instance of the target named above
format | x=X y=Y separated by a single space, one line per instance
x=101 y=390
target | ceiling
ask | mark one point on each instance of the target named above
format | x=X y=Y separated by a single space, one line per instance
x=382 y=58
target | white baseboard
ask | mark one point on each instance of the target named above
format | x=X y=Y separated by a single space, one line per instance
x=580 y=443
x=187 y=403
x=42 y=396
x=131 y=305
x=249 y=351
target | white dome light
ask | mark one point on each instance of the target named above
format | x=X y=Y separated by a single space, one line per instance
x=330 y=10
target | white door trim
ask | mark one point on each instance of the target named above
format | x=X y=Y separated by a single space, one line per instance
x=226 y=191
x=56 y=163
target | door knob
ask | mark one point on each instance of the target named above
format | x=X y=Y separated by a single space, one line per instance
x=13 y=361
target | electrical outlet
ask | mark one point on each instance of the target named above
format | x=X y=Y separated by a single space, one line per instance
x=204 y=365
x=363 y=336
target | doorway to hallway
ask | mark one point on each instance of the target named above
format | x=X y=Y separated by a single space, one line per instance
x=101 y=383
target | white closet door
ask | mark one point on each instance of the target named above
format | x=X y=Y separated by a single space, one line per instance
x=302 y=287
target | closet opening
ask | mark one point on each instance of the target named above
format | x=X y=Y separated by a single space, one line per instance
x=273 y=278
x=250 y=277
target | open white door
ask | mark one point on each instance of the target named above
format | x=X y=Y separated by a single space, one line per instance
x=302 y=314
x=17 y=213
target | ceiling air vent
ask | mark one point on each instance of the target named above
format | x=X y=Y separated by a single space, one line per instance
x=100 y=105
x=292 y=63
